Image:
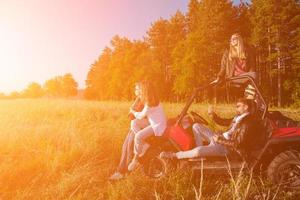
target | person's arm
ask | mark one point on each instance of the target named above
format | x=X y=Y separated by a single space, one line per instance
x=142 y=114
x=222 y=71
x=237 y=139
x=219 y=120
x=220 y=139
x=137 y=105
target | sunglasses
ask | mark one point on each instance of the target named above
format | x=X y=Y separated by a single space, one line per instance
x=233 y=39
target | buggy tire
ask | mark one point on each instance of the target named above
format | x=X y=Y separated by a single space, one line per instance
x=157 y=168
x=284 y=169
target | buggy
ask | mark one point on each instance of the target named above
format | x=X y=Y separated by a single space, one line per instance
x=276 y=151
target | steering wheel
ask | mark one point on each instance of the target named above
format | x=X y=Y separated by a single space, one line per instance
x=197 y=118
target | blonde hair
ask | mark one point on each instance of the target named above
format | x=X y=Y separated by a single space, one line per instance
x=149 y=95
x=239 y=50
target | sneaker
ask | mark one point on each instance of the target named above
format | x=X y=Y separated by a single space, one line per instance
x=116 y=176
x=169 y=155
x=133 y=164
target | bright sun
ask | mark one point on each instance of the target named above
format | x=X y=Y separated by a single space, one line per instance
x=10 y=60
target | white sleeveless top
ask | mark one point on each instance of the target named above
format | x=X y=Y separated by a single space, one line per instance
x=156 y=116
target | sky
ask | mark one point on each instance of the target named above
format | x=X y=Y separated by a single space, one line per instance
x=40 y=39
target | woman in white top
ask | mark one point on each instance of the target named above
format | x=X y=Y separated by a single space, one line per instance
x=150 y=121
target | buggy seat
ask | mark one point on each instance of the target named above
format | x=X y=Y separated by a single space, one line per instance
x=282 y=121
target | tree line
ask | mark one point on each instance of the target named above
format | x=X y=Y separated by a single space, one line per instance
x=59 y=86
x=182 y=52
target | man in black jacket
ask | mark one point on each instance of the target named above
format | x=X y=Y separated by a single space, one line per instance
x=238 y=135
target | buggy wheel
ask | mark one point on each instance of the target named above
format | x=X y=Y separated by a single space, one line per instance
x=156 y=168
x=285 y=170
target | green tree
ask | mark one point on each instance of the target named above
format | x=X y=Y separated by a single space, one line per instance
x=193 y=15
x=97 y=78
x=180 y=53
x=33 y=90
x=243 y=22
x=69 y=85
x=197 y=59
x=275 y=25
x=163 y=36
x=118 y=68
x=158 y=39
x=14 y=95
x=113 y=75
x=53 y=87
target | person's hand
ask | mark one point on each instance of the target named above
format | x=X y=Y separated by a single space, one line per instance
x=131 y=110
x=130 y=114
x=216 y=138
x=210 y=110
x=215 y=81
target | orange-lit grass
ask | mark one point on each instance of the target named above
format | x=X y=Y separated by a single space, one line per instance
x=62 y=149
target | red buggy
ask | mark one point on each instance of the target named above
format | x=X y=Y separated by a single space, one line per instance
x=276 y=151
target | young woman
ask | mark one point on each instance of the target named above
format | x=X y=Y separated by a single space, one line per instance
x=127 y=148
x=238 y=60
x=150 y=121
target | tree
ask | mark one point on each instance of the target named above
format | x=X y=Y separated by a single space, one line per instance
x=292 y=83
x=52 y=87
x=198 y=58
x=97 y=77
x=193 y=15
x=14 y=95
x=178 y=30
x=113 y=75
x=163 y=36
x=61 y=86
x=184 y=51
x=69 y=85
x=158 y=39
x=243 y=22
x=275 y=25
x=33 y=90
x=118 y=68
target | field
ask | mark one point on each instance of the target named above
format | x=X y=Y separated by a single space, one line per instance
x=64 y=149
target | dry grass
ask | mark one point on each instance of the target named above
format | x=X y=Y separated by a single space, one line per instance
x=60 y=149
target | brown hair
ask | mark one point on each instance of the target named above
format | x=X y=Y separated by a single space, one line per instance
x=149 y=95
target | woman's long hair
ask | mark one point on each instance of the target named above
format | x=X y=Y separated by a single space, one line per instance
x=149 y=95
x=237 y=51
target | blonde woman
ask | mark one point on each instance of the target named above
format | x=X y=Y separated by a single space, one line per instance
x=150 y=121
x=237 y=60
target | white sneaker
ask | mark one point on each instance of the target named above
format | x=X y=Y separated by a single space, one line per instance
x=133 y=164
x=116 y=176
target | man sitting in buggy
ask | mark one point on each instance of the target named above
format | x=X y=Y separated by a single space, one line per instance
x=238 y=136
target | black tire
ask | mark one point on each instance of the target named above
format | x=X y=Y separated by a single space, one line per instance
x=156 y=168
x=153 y=166
x=284 y=169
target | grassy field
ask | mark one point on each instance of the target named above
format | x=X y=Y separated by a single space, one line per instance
x=63 y=149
